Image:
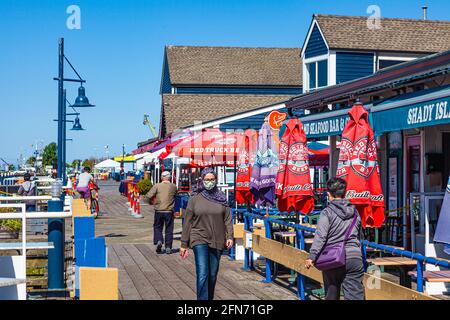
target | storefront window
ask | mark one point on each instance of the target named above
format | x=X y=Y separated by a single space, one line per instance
x=322 y=71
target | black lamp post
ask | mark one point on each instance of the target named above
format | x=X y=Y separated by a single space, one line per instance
x=81 y=102
x=56 y=225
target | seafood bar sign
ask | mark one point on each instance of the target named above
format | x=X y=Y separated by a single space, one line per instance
x=325 y=127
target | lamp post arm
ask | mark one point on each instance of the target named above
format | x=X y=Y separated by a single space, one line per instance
x=73 y=68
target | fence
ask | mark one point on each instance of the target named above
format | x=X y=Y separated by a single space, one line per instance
x=300 y=244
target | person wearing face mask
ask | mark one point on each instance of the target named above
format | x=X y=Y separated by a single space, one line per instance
x=208 y=230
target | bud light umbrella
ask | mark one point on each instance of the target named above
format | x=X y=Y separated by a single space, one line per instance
x=358 y=165
x=442 y=234
x=294 y=189
x=245 y=160
x=263 y=179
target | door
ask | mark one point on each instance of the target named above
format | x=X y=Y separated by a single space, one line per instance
x=413 y=183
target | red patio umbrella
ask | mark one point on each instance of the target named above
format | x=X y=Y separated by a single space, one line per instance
x=245 y=160
x=211 y=146
x=358 y=165
x=293 y=188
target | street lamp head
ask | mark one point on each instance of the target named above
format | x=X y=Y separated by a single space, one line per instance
x=82 y=101
x=77 y=125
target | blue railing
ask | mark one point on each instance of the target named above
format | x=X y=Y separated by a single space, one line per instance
x=300 y=244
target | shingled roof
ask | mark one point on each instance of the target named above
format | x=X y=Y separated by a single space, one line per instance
x=234 y=66
x=402 y=35
x=184 y=110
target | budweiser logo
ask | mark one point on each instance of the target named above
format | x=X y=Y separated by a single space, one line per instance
x=352 y=194
x=296 y=187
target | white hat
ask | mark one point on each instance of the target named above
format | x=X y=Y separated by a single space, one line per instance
x=166 y=174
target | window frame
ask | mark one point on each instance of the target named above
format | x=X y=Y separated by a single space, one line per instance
x=316 y=75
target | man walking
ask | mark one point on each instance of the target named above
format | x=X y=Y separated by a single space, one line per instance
x=164 y=193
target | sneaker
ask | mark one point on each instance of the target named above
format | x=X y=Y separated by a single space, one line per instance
x=158 y=247
x=168 y=251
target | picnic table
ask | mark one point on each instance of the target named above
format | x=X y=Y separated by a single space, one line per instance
x=404 y=265
x=433 y=276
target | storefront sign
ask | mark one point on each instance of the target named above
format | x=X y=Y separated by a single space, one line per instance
x=276 y=119
x=418 y=115
x=393 y=185
x=325 y=127
x=248 y=239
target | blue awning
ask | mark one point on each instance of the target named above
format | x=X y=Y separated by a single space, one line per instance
x=415 y=110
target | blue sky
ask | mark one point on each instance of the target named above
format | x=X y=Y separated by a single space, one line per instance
x=119 y=51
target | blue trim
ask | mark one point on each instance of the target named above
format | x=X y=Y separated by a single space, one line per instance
x=353 y=65
x=268 y=235
x=316 y=45
x=240 y=90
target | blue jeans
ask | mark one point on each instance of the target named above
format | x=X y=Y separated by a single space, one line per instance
x=207 y=265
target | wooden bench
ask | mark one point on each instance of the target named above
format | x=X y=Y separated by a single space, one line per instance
x=433 y=276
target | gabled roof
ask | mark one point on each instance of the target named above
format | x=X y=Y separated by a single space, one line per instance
x=395 y=35
x=185 y=110
x=396 y=76
x=192 y=65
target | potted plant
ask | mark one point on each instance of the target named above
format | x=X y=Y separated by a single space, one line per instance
x=144 y=186
x=9 y=228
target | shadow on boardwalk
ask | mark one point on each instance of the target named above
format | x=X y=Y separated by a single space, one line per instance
x=144 y=274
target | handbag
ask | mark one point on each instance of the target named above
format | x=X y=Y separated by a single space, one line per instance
x=333 y=256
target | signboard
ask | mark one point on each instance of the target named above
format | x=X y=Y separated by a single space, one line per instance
x=395 y=141
x=248 y=239
x=417 y=115
x=332 y=126
x=393 y=185
x=276 y=119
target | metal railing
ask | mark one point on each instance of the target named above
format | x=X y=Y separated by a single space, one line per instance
x=300 y=244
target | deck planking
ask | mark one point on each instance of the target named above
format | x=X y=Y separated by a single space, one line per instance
x=146 y=275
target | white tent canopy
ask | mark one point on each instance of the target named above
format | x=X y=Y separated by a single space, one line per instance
x=141 y=155
x=107 y=164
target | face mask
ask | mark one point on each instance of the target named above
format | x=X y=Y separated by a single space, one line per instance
x=209 y=185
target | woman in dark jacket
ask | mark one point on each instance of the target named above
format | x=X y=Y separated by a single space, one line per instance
x=332 y=226
x=208 y=230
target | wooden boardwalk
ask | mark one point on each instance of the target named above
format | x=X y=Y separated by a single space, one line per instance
x=146 y=275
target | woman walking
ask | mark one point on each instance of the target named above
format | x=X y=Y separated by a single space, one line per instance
x=208 y=230
x=339 y=224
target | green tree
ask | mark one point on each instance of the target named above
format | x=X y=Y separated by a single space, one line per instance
x=88 y=163
x=49 y=155
x=11 y=167
x=31 y=161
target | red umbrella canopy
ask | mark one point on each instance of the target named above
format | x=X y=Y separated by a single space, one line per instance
x=358 y=165
x=211 y=146
x=293 y=188
x=246 y=158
